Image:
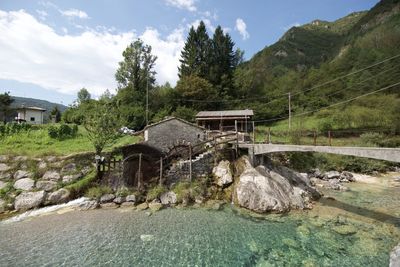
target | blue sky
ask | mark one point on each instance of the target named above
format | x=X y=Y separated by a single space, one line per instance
x=51 y=49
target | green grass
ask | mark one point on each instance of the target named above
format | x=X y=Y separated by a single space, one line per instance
x=36 y=142
x=78 y=187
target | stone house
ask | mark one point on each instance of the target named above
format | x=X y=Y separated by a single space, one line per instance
x=31 y=115
x=166 y=133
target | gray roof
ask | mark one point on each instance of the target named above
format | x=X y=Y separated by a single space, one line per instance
x=31 y=108
x=225 y=113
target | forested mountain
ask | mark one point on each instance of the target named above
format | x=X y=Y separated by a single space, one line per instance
x=315 y=53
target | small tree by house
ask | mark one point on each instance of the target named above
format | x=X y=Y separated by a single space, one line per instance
x=55 y=114
x=5 y=105
x=102 y=125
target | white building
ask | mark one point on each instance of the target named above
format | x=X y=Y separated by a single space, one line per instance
x=31 y=115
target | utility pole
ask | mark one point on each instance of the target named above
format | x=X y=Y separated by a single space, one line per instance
x=147 y=100
x=290 y=113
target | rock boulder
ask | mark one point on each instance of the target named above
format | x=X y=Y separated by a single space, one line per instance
x=47 y=186
x=168 y=198
x=130 y=198
x=58 y=197
x=24 y=184
x=2 y=185
x=2 y=206
x=107 y=198
x=51 y=176
x=276 y=189
x=29 y=200
x=71 y=178
x=332 y=175
x=223 y=173
x=4 y=167
x=395 y=257
x=22 y=174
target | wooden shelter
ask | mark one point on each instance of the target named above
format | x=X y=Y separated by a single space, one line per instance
x=224 y=120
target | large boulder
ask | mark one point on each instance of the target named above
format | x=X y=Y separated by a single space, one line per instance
x=47 y=186
x=29 y=200
x=277 y=189
x=5 y=176
x=168 y=198
x=22 y=174
x=395 y=257
x=4 y=167
x=58 y=197
x=51 y=176
x=130 y=198
x=119 y=200
x=223 y=173
x=24 y=184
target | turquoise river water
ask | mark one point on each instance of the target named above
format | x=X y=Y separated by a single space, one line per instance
x=358 y=228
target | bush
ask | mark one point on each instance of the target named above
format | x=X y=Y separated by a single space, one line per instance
x=155 y=192
x=14 y=128
x=373 y=139
x=97 y=191
x=63 y=132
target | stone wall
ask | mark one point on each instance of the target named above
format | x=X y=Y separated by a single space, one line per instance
x=165 y=134
x=32 y=182
x=202 y=166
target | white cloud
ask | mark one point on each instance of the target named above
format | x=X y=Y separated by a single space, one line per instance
x=183 y=4
x=168 y=53
x=33 y=52
x=207 y=22
x=74 y=13
x=241 y=28
x=42 y=14
x=287 y=27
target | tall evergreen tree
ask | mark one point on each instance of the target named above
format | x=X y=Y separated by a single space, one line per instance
x=196 y=53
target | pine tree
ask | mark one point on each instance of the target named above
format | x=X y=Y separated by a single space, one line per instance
x=189 y=55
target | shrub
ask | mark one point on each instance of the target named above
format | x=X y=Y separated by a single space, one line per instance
x=155 y=192
x=63 y=132
x=373 y=139
x=97 y=191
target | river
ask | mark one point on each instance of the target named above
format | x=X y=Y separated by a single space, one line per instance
x=355 y=228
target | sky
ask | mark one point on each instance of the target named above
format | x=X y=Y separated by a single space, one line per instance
x=51 y=49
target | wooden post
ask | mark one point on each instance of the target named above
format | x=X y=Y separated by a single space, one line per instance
x=109 y=164
x=161 y=170
x=315 y=138
x=269 y=135
x=114 y=163
x=237 y=138
x=330 y=138
x=140 y=172
x=190 y=162
x=215 y=150
x=254 y=133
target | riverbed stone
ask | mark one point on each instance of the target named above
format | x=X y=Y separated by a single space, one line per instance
x=107 y=198
x=47 y=186
x=127 y=205
x=58 y=197
x=89 y=205
x=21 y=158
x=154 y=206
x=332 y=175
x=130 y=198
x=3 y=158
x=345 y=229
x=22 y=174
x=119 y=200
x=395 y=257
x=24 y=184
x=142 y=206
x=223 y=174
x=51 y=175
x=71 y=178
x=168 y=198
x=29 y=200
x=4 y=167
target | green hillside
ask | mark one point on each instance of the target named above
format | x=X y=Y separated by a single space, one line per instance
x=307 y=58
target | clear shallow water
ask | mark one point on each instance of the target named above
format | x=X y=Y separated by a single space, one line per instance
x=358 y=229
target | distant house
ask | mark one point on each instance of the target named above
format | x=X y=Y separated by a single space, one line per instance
x=31 y=115
x=166 y=133
x=225 y=120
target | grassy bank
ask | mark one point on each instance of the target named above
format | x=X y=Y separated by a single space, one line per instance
x=36 y=142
